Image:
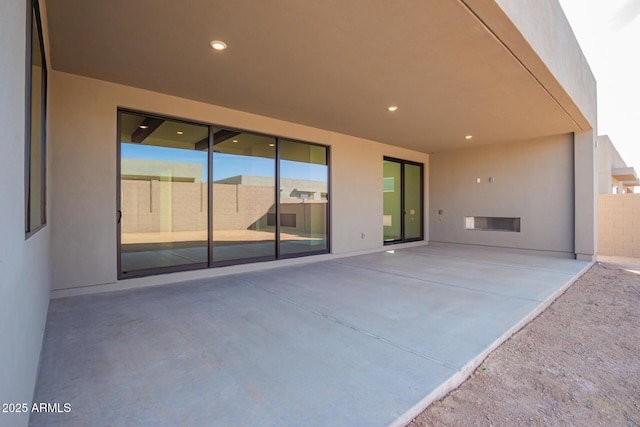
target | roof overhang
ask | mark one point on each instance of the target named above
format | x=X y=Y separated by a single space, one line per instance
x=453 y=71
x=625 y=175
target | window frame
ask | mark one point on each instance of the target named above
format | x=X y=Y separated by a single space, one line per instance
x=33 y=12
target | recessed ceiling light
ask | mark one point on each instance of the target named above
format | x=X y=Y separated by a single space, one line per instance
x=143 y=126
x=218 y=45
x=468 y=137
x=392 y=108
x=235 y=140
x=272 y=145
x=179 y=132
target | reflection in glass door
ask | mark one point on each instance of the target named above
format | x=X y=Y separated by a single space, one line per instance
x=304 y=189
x=402 y=201
x=412 y=180
x=244 y=193
x=196 y=196
x=163 y=217
x=392 y=201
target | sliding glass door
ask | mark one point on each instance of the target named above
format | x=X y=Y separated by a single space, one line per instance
x=196 y=196
x=403 y=200
x=304 y=189
x=163 y=213
x=412 y=203
x=244 y=183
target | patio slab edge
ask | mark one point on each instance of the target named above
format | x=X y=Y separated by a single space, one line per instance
x=465 y=372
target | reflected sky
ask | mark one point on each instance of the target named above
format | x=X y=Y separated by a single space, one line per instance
x=225 y=165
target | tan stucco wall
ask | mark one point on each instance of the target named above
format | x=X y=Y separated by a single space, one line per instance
x=25 y=273
x=539 y=36
x=83 y=134
x=619 y=221
x=533 y=180
x=547 y=30
x=586 y=195
x=605 y=162
x=609 y=159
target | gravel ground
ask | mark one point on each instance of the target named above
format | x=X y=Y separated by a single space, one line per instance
x=577 y=364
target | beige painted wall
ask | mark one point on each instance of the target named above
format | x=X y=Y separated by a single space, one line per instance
x=561 y=54
x=609 y=159
x=619 y=225
x=533 y=180
x=551 y=52
x=586 y=194
x=538 y=34
x=605 y=163
x=83 y=213
x=24 y=264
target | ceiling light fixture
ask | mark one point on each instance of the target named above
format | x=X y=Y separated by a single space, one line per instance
x=235 y=140
x=218 y=45
x=179 y=132
x=468 y=137
x=143 y=126
x=272 y=145
x=392 y=108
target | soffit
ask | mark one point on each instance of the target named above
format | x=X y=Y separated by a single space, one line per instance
x=332 y=64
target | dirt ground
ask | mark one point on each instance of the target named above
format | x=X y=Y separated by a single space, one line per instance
x=577 y=364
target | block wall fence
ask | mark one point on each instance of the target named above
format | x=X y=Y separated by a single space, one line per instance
x=619 y=225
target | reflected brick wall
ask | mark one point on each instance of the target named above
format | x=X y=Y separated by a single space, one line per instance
x=153 y=206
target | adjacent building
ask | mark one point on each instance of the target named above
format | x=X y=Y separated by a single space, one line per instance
x=614 y=176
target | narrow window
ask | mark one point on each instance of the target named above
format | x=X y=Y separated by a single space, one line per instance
x=35 y=146
x=485 y=223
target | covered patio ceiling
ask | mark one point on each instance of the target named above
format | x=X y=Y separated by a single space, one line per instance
x=330 y=64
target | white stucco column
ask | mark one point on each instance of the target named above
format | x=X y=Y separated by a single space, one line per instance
x=586 y=195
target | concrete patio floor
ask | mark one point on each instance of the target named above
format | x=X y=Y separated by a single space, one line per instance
x=366 y=340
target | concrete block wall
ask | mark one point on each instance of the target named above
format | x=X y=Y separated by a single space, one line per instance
x=619 y=225
x=145 y=205
x=239 y=207
x=310 y=215
x=148 y=205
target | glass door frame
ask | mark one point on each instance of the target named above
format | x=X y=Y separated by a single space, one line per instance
x=403 y=215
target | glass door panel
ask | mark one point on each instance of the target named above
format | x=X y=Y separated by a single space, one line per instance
x=392 y=201
x=304 y=189
x=412 y=201
x=243 y=196
x=163 y=194
x=402 y=201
